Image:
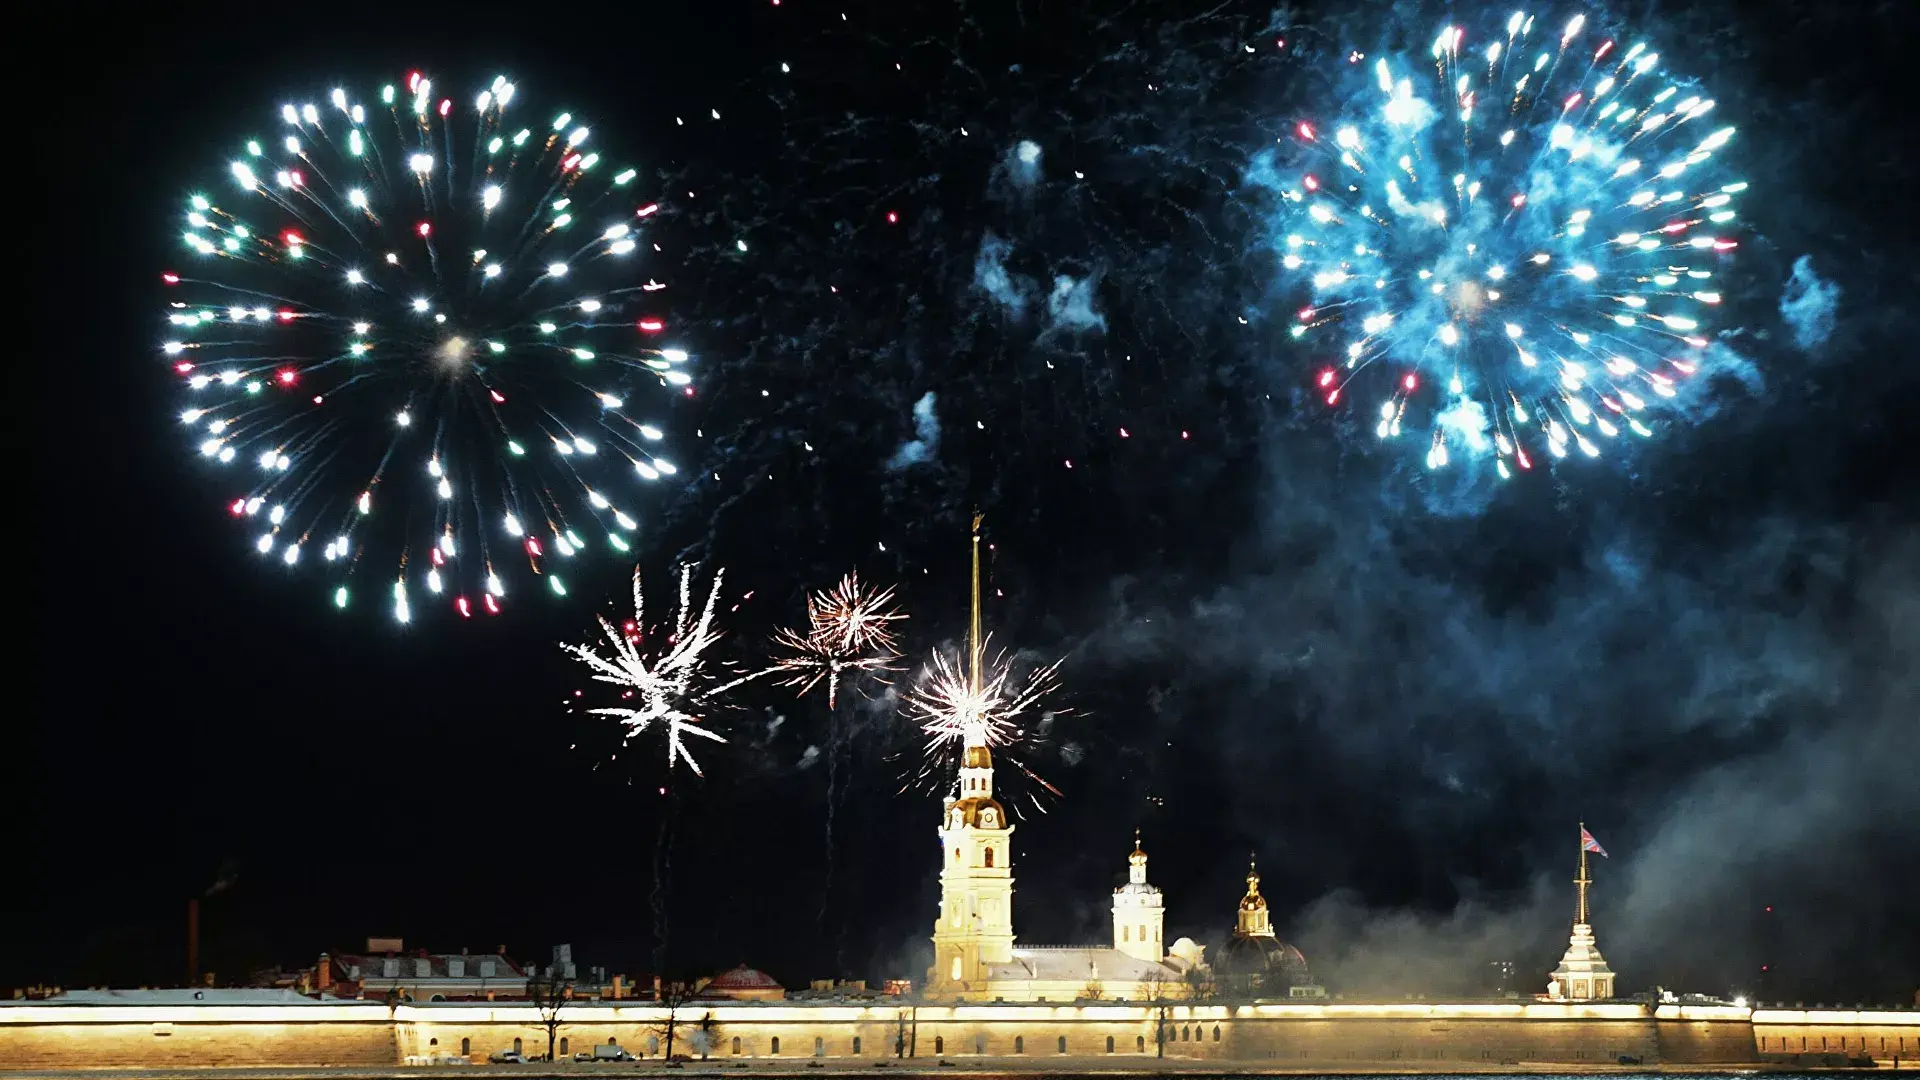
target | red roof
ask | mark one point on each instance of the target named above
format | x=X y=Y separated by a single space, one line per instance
x=743 y=978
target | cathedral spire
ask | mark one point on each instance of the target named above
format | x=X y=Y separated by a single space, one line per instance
x=974 y=645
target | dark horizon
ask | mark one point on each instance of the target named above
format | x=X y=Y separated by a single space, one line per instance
x=1281 y=637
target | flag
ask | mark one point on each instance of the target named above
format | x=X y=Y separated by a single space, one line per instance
x=1588 y=843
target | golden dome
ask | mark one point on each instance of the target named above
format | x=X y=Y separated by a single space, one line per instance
x=976 y=757
x=1253 y=901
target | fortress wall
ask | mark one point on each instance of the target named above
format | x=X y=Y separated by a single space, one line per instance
x=34 y=1035
x=1884 y=1035
x=1473 y=1041
x=196 y=1045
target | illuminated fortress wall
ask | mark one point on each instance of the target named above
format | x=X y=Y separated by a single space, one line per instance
x=1408 y=1035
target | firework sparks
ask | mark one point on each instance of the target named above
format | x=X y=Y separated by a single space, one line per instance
x=1517 y=234
x=413 y=343
x=847 y=631
x=668 y=687
x=953 y=708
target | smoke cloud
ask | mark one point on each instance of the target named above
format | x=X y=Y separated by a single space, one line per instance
x=1808 y=303
x=1071 y=305
x=926 y=436
x=990 y=276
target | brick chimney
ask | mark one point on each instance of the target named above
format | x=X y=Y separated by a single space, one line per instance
x=323 y=973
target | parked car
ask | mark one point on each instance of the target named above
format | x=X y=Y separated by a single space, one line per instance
x=507 y=1057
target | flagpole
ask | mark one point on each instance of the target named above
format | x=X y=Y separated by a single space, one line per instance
x=1580 y=916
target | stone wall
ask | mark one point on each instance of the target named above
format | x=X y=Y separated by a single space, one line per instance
x=1295 y=1036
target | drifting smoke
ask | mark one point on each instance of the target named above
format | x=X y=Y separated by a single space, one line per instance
x=1070 y=306
x=990 y=276
x=1023 y=163
x=1727 y=725
x=926 y=436
x=1807 y=304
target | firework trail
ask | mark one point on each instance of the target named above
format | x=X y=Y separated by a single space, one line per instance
x=669 y=686
x=426 y=336
x=1513 y=238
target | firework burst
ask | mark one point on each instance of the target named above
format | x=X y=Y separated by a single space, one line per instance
x=1515 y=237
x=423 y=339
x=669 y=687
x=999 y=709
x=848 y=630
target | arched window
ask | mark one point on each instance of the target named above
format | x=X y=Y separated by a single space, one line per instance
x=939 y=1045
x=1109 y=1044
x=516 y=1046
x=563 y=1046
x=1156 y=933
x=1063 y=1044
x=1139 y=1042
x=466 y=1047
x=1126 y=933
x=433 y=1042
x=856 y=1044
x=1143 y=932
x=1184 y=1032
x=819 y=1046
x=989 y=856
x=653 y=1044
x=1019 y=1044
x=736 y=1044
x=1216 y=1033
x=776 y=1044
x=979 y=1044
x=956 y=854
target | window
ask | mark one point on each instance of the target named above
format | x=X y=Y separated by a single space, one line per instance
x=1186 y=1034
x=433 y=1042
x=956 y=854
x=979 y=1044
x=856 y=1044
x=1216 y=1033
x=1063 y=1044
x=466 y=1047
x=563 y=1046
x=819 y=1046
x=776 y=1044
x=516 y=1046
x=1156 y=933
x=1019 y=1044
x=939 y=1045
x=956 y=969
x=1140 y=1042
x=1143 y=932
x=736 y=1044
x=1109 y=1044
x=1126 y=933
x=653 y=1044
x=989 y=856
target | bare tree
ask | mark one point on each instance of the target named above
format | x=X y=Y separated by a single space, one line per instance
x=1200 y=983
x=706 y=1035
x=1159 y=992
x=1094 y=990
x=674 y=996
x=906 y=1032
x=550 y=993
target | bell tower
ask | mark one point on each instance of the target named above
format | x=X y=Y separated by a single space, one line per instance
x=975 y=928
x=1138 y=911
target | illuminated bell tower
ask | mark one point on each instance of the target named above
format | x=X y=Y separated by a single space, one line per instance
x=1138 y=911
x=1583 y=974
x=975 y=929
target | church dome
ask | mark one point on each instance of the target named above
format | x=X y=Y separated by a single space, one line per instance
x=981 y=813
x=1262 y=956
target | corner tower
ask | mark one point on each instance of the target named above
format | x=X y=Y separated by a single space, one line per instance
x=975 y=928
x=1138 y=911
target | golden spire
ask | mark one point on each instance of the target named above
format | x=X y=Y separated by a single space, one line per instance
x=974 y=646
x=1580 y=912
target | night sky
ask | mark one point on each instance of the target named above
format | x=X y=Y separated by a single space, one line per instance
x=1399 y=693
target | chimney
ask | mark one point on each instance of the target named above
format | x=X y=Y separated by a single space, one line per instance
x=619 y=987
x=323 y=973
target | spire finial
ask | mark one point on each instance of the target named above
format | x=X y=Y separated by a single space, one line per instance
x=1582 y=880
x=973 y=630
